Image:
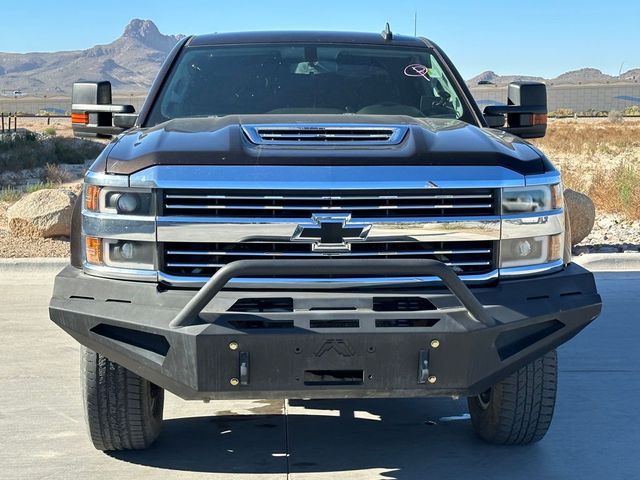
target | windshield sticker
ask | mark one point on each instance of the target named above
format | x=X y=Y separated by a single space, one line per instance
x=417 y=70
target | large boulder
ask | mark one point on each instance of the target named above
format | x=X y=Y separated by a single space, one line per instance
x=582 y=214
x=44 y=213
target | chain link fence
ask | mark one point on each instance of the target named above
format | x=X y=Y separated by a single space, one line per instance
x=55 y=105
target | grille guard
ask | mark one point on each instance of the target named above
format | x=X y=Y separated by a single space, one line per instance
x=190 y=313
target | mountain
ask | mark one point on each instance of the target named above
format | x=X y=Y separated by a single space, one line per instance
x=492 y=77
x=130 y=63
x=583 y=75
x=633 y=75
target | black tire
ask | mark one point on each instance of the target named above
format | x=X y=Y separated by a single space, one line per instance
x=518 y=410
x=123 y=410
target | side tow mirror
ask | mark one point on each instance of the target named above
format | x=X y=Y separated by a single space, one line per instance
x=92 y=113
x=526 y=110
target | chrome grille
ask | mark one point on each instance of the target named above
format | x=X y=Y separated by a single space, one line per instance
x=204 y=259
x=303 y=204
x=324 y=134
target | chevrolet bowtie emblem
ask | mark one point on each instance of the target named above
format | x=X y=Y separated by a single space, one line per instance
x=331 y=232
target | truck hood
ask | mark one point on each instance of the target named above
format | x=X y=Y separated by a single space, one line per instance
x=222 y=141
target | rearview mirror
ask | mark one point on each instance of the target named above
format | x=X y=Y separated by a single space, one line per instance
x=526 y=110
x=92 y=111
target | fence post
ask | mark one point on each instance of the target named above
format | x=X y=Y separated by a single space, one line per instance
x=2 y=115
x=9 y=122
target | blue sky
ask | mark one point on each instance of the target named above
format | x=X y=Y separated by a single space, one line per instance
x=541 y=37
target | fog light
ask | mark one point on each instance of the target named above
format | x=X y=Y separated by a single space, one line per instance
x=127 y=203
x=129 y=254
x=518 y=252
x=523 y=248
x=127 y=250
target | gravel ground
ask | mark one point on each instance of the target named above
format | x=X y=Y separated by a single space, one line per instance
x=611 y=233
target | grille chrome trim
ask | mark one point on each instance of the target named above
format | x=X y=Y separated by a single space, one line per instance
x=242 y=229
x=323 y=283
x=325 y=134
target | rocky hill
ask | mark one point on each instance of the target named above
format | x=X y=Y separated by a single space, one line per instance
x=130 y=63
x=583 y=75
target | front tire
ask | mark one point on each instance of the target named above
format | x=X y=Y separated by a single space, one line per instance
x=123 y=410
x=518 y=410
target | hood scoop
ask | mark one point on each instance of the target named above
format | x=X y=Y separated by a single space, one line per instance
x=325 y=134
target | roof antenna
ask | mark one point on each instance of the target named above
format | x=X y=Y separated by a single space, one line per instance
x=386 y=33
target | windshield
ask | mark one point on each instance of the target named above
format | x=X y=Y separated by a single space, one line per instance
x=306 y=79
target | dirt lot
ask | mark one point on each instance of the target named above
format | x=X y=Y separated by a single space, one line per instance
x=62 y=126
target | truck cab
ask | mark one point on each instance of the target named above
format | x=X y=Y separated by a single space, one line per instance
x=318 y=215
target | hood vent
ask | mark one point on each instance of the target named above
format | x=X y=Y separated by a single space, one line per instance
x=325 y=134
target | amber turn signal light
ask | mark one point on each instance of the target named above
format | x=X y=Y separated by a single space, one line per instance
x=92 y=198
x=94 y=250
x=81 y=118
x=539 y=119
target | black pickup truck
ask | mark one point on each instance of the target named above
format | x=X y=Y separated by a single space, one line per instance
x=318 y=215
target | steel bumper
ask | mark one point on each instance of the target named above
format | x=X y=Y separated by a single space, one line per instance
x=227 y=344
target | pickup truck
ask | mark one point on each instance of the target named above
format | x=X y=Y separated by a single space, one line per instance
x=318 y=215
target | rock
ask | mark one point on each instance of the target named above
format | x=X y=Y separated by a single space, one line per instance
x=582 y=214
x=45 y=213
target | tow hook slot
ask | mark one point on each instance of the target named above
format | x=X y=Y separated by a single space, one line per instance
x=333 y=377
x=423 y=366
x=243 y=361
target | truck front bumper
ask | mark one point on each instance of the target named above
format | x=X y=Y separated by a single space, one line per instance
x=273 y=344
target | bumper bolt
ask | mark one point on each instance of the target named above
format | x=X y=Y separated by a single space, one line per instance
x=234 y=381
x=435 y=343
x=432 y=379
x=233 y=346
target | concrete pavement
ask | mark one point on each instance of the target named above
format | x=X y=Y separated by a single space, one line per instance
x=594 y=435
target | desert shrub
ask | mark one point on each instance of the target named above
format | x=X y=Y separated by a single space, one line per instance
x=29 y=151
x=632 y=111
x=10 y=194
x=615 y=116
x=617 y=190
x=75 y=150
x=56 y=174
x=50 y=131
x=34 y=187
x=562 y=112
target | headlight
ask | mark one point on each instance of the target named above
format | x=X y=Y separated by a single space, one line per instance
x=531 y=199
x=119 y=201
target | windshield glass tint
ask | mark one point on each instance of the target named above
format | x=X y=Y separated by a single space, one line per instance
x=306 y=79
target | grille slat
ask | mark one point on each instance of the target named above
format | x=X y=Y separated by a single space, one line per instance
x=323 y=207
x=203 y=260
x=312 y=254
x=301 y=204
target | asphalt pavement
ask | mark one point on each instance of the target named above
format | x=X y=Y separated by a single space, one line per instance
x=595 y=433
